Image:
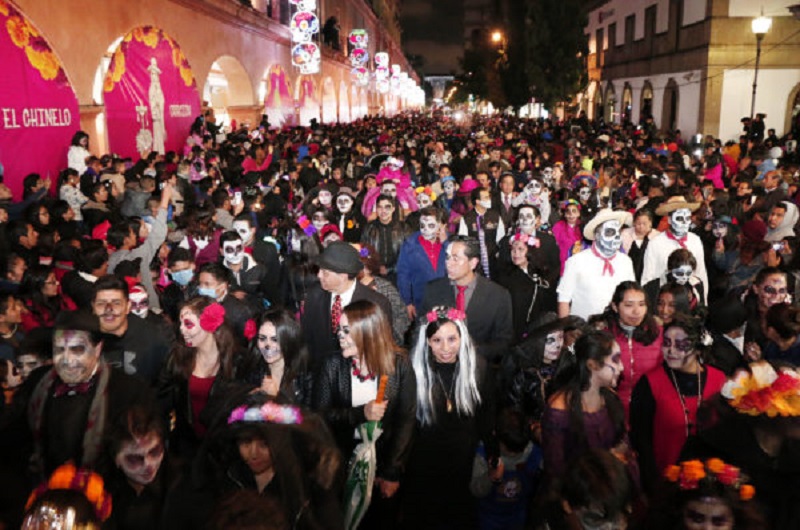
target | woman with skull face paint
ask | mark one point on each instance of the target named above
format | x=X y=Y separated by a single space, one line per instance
x=665 y=401
x=347 y=216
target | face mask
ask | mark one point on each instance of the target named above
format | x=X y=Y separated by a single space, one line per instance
x=325 y=198
x=682 y=274
x=585 y=194
x=428 y=228
x=423 y=200
x=680 y=221
x=207 y=291
x=183 y=277
x=608 y=238
x=720 y=230
x=344 y=204
x=234 y=252
x=243 y=229
x=527 y=221
x=485 y=204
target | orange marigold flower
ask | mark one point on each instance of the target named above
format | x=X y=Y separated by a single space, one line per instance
x=62 y=477
x=108 y=84
x=672 y=473
x=693 y=470
x=45 y=62
x=3 y=8
x=18 y=31
x=715 y=465
x=747 y=492
x=94 y=488
x=186 y=75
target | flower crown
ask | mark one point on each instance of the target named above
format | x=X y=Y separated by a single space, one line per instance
x=269 y=412
x=763 y=390
x=531 y=241
x=84 y=481
x=212 y=317
x=570 y=202
x=690 y=473
x=445 y=313
x=427 y=191
x=306 y=225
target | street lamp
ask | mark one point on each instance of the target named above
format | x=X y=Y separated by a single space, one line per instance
x=497 y=36
x=760 y=27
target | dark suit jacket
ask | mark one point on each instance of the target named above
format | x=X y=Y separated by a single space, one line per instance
x=316 y=319
x=489 y=318
x=506 y=214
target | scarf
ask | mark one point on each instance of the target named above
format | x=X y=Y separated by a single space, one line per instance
x=608 y=268
x=680 y=240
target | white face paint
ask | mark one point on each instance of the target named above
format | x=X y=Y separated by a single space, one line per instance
x=720 y=230
x=679 y=221
x=449 y=188
x=534 y=187
x=245 y=232
x=344 y=203
x=666 y=180
x=424 y=200
x=267 y=343
x=682 y=274
x=585 y=193
x=390 y=189
x=552 y=346
x=325 y=197
x=428 y=227
x=319 y=220
x=608 y=238
x=140 y=305
x=547 y=177
x=233 y=252
x=527 y=220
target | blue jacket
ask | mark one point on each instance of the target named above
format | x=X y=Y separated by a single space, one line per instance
x=414 y=270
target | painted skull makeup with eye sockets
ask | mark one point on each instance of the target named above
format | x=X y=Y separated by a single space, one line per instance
x=233 y=252
x=428 y=227
x=344 y=203
x=585 y=193
x=720 y=230
x=552 y=346
x=325 y=197
x=680 y=221
x=608 y=238
x=243 y=229
x=527 y=220
x=682 y=274
x=389 y=189
x=424 y=200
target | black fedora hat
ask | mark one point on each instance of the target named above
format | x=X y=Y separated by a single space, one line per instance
x=340 y=257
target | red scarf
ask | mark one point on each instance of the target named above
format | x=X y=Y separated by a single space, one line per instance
x=607 y=266
x=681 y=241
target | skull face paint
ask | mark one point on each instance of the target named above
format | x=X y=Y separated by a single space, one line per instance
x=527 y=220
x=449 y=188
x=319 y=220
x=190 y=328
x=682 y=274
x=75 y=358
x=344 y=204
x=534 y=187
x=608 y=238
x=140 y=305
x=267 y=343
x=390 y=189
x=666 y=180
x=424 y=200
x=552 y=346
x=233 y=252
x=679 y=221
x=585 y=193
x=547 y=177
x=245 y=231
x=325 y=197
x=428 y=227
x=720 y=230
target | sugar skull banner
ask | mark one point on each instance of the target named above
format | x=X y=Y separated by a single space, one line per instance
x=38 y=108
x=278 y=103
x=150 y=94
x=306 y=57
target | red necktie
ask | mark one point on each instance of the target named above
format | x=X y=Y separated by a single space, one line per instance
x=681 y=241
x=64 y=389
x=607 y=267
x=336 y=313
x=461 y=299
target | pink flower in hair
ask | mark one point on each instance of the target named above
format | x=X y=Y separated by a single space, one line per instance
x=212 y=317
x=250 y=329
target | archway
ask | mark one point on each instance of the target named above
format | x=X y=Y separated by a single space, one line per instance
x=671 y=106
x=228 y=90
x=328 y=101
x=307 y=100
x=646 y=107
x=344 y=103
x=792 y=122
x=626 y=110
x=278 y=99
x=590 y=103
x=610 y=103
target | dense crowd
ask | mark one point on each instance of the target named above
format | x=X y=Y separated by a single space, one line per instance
x=406 y=322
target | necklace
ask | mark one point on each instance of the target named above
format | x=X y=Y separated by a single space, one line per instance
x=448 y=395
x=361 y=376
x=680 y=396
x=11 y=332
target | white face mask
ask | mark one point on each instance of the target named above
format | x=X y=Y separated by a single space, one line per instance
x=243 y=229
x=585 y=194
x=424 y=200
x=720 y=230
x=344 y=204
x=325 y=197
x=608 y=238
x=680 y=221
x=428 y=227
x=485 y=204
x=233 y=252
x=527 y=220
x=682 y=274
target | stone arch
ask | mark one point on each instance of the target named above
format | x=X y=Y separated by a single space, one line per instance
x=792 y=121
x=329 y=104
x=610 y=101
x=646 y=101
x=344 y=103
x=228 y=90
x=592 y=95
x=626 y=106
x=671 y=106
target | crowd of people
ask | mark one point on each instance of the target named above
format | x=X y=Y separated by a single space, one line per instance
x=538 y=324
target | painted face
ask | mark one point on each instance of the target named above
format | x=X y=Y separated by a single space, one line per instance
x=390 y=189
x=445 y=343
x=346 y=343
x=547 y=177
x=527 y=220
x=75 y=358
x=325 y=197
x=519 y=254
x=534 y=187
x=112 y=308
x=28 y=363
x=679 y=221
x=140 y=459
x=429 y=227
x=666 y=180
x=585 y=193
x=319 y=220
x=608 y=238
x=449 y=188
x=772 y=291
x=677 y=348
x=707 y=513
x=572 y=214
x=552 y=346
x=682 y=274
x=424 y=200
x=140 y=305
x=385 y=210
x=608 y=373
x=233 y=251
x=666 y=307
x=190 y=328
x=344 y=203
x=245 y=232
x=632 y=308
x=256 y=454
x=267 y=343
x=720 y=230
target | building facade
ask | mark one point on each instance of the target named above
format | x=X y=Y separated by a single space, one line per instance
x=690 y=64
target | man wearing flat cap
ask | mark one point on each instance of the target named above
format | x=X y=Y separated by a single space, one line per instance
x=339 y=265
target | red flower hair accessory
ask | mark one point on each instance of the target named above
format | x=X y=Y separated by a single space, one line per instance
x=445 y=313
x=84 y=481
x=689 y=474
x=250 y=329
x=212 y=317
x=531 y=241
x=763 y=390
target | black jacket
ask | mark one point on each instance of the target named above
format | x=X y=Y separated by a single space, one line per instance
x=332 y=398
x=386 y=239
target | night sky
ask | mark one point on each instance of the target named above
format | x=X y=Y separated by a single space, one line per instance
x=434 y=30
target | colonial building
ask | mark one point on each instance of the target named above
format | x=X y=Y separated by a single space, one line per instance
x=691 y=64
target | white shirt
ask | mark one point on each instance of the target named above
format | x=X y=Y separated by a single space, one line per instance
x=501 y=230
x=584 y=285
x=658 y=251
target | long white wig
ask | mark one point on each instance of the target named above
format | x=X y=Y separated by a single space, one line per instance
x=466 y=392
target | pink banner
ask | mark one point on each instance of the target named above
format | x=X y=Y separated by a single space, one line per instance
x=150 y=94
x=307 y=101
x=38 y=108
x=278 y=103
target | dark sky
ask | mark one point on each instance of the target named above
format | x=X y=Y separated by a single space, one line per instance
x=434 y=30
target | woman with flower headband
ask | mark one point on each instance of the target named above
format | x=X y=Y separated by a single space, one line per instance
x=700 y=495
x=346 y=394
x=665 y=401
x=197 y=369
x=755 y=424
x=454 y=413
x=568 y=231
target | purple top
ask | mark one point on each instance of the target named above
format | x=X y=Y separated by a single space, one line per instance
x=558 y=444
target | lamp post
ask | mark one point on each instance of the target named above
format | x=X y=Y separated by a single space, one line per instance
x=760 y=27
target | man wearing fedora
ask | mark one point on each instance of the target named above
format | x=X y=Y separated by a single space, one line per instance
x=591 y=276
x=676 y=236
x=339 y=265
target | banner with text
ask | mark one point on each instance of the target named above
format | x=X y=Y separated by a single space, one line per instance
x=38 y=108
x=150 y=94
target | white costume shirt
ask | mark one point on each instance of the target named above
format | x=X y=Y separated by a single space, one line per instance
x=658 y=251
x=584 y=285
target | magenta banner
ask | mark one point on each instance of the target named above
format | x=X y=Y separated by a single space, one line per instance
x=38 y=108
x=151 y=97
x=278 y=103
